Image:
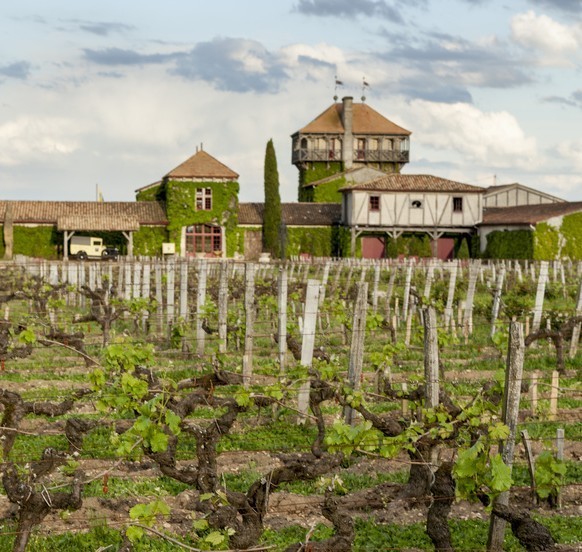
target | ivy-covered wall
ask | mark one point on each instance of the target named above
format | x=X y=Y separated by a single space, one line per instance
x=318 y=241
x=181 y=209
x=571 y=232
x=314 y=172
x=314 y=241
x=514 y=244
x=546 y=242
x=148 y=240
x=35 y=241
x=155 y=193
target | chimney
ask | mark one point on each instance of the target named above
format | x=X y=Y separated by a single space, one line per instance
x=348 y=141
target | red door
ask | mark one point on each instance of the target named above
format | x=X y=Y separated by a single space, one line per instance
x=373 y=247
x=445 y=248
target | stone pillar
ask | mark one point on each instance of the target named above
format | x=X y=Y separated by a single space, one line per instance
x=348 y=141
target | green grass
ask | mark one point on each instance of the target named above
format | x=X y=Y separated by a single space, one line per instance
x=281 y=436
x=138 y=487
x=547 y=430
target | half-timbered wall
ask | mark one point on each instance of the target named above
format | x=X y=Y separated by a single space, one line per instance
x=413 y=209
x=517 y=195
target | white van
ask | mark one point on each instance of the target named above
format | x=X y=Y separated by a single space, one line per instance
x=85 y=247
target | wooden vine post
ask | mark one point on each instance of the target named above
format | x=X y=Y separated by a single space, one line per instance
x=511 y=397
x=222 y=306
x=282 y=319
x=357 y=345
x=540 y=292
x=200 y=302
x=406 y=298
x=577 y=327
x=159 y=297
x=497 y=299
x=451 y=295
x=469 y=301
x=145 y=290
x=431 y=358
x=249 y=322
x=560 y=457
x=170 y=291
x=307 y=344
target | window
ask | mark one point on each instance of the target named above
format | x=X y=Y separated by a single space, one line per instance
x=361 y=148
x=374 y=203
x=416 y=204
x=204 y=199
x=457 y=205
x=203 y=238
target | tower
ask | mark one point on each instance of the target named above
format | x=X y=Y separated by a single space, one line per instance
x=345 y=138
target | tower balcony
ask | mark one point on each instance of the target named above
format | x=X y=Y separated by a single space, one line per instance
x=305 y=155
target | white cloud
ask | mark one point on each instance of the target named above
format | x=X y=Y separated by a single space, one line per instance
x=571 y=151
x=26 y=139
x=558 y=44
x=494 y=139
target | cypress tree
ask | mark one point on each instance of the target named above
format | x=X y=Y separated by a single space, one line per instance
x=272 y=214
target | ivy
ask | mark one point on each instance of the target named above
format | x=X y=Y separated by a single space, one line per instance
x=181 y=208
x=148 y=240
x=571 y=232
x=546 y=242
x=517 y=244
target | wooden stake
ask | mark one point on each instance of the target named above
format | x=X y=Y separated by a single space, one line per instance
x=497 y=299
x=577 y=327
x=530 y=464
x=540 y=292
x=559 y=457
x=282 y=319
x=357 y=345
x=554 y=395
x=200 y=302
x=307 y=345
x=533 y=394
x=511 y=397
x=431 y=358
x=223 y=306
x=249 y=322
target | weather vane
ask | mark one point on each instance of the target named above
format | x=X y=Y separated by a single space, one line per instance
x=364 y=86
x=337 y=83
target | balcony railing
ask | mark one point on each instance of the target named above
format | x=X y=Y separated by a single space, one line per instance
x=361 y=155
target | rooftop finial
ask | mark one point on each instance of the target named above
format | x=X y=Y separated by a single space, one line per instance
x=365 y=85
x=337 y=83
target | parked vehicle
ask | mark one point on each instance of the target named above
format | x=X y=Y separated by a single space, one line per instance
x=86 y=247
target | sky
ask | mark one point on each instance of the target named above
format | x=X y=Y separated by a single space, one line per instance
x=114 y=94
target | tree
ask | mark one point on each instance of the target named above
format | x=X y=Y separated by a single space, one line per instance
x=272 y=213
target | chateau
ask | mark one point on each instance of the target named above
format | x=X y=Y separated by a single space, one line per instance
x=353 y=201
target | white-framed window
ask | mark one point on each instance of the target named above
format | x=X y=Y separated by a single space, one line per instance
x=374 y=203
x=204 y=199
x=457 y=204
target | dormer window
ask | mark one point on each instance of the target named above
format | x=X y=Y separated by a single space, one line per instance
x=204 y=199
x=416 y=204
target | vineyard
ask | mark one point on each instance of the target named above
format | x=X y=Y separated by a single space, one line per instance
x=300 y=406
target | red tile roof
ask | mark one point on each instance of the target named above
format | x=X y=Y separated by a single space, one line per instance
x=528 y=214
x=293 y=214
x=414 y=183
x=202 y=165
x=87 y=215
x=365 y=121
